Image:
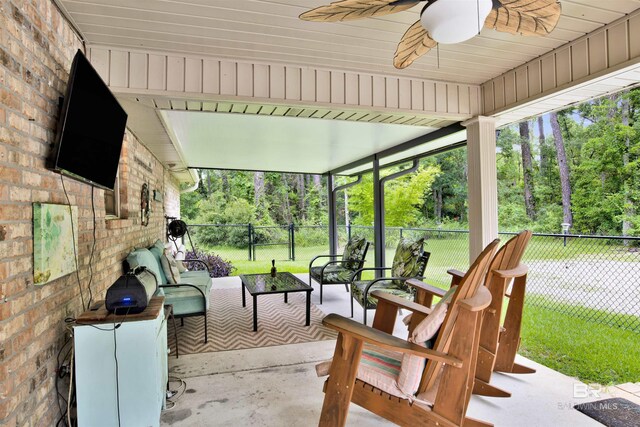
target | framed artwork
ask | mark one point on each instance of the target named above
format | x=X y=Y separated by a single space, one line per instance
x=55 y=241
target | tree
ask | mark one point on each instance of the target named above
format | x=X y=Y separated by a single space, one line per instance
x=259 y=194
x=403 y=197
x=448 y=197
x=563 y=166
x=527 y=170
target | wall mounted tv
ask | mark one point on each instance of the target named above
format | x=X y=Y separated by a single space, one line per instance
x=90 y=130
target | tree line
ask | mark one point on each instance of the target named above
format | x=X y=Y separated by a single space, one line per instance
x=578 y=166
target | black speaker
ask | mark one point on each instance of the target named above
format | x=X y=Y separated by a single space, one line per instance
x=131 y=292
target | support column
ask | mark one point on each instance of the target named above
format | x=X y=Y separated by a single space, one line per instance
x=378 y=218
x=333 y=224
x=482 y=183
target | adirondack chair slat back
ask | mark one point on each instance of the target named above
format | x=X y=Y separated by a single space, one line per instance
x=472 y=280
x=508 y=257
x=510 y=254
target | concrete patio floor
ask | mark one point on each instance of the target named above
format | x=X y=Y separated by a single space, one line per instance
x=277 y=386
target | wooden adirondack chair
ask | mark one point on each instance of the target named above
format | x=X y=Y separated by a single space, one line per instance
x=499 y=343
x=447 y=379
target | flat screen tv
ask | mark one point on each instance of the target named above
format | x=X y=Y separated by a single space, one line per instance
x=90 y=130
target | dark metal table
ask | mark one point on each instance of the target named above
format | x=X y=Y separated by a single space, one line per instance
x=283 y=283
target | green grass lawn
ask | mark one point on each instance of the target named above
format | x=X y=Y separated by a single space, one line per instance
x=592 y=352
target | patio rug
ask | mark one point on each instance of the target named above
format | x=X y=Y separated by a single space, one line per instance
x=616 y=412
x=231 y=325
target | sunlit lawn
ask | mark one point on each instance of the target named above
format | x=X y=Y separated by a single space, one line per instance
x=590 y=351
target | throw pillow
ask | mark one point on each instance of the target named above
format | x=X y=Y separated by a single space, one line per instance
x=354 y=249
x=405 y=261
x=412 y=366
x=170 y=267
x=181 y=267
x=174 y=254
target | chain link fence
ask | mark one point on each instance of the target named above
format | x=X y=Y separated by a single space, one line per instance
x=591 y=277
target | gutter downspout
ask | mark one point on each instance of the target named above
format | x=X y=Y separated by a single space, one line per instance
x=194 y=187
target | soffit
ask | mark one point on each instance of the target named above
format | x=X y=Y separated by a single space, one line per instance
x=188 y=133
x=279 y=143
x=265 y=30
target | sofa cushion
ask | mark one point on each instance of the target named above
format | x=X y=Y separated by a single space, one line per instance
x=144 y=257
x=195 y=273
x=186 y=299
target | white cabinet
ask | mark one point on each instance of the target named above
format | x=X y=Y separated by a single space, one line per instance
x=140 y=346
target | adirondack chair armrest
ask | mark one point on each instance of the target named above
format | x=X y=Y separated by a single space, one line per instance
x=401 y=302
x=456 y=273
x=478 y=302
x=519 y=271
x=430 y=289
x=369 y=335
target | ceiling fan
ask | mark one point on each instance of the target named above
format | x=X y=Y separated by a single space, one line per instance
x=447 y=21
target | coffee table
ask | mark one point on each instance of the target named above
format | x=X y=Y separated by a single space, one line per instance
x=282 y=283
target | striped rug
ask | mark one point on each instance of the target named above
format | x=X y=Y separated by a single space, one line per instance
x=231 y=326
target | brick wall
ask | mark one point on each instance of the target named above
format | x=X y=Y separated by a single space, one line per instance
x=36 y=49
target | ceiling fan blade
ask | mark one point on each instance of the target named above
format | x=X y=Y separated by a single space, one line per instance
x=526 y=17
x=347 y=10
x=415 y=42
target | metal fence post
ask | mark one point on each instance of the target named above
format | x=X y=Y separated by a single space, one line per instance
x=401 y=232
x=292 y=242
x=249 y=233
x=565 y=229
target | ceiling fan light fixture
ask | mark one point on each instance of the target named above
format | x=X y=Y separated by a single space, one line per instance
x=454 y=21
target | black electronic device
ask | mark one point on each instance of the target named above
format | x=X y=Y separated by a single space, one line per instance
x=131 y=292
x=90 y=129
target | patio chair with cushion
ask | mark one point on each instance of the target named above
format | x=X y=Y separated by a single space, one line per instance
x=340 y=271
x=409 y=262
x=388 y=375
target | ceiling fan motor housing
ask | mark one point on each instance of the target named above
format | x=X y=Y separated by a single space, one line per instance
x=454 y=21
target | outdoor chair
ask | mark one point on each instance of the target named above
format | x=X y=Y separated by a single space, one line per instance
x=409 y=262
x=499 y=340
x=340 y=271
x=388 y=375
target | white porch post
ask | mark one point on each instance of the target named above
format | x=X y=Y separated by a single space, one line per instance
x=482 y=183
